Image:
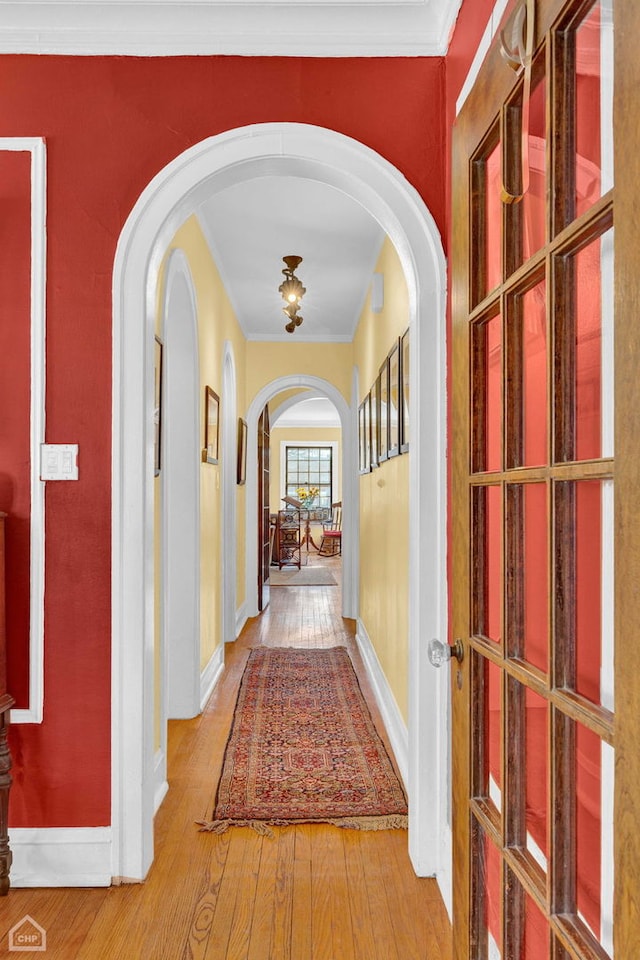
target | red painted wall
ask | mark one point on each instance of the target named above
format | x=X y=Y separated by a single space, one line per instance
x=110 y=125
x=15 y=374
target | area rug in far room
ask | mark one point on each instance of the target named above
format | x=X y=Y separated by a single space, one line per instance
x=303 y=748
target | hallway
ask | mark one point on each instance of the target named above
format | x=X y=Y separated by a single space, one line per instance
x=313 y=893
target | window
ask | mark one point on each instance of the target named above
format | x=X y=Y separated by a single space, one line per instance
x=310 y=467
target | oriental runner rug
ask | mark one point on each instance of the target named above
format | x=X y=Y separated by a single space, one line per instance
x=303 y=749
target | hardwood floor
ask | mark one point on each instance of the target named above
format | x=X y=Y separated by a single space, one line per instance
x=312 y=893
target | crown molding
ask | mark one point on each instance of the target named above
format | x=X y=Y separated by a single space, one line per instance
x=306 y=28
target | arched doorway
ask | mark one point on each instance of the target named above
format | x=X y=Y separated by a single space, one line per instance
x=324 y=155
x=349 y=484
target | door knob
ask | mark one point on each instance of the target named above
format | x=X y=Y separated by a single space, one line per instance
x=440 y=652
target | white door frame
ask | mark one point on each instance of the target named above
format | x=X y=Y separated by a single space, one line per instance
x=286 y=149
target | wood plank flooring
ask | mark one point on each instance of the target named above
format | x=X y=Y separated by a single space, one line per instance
x=312 y=893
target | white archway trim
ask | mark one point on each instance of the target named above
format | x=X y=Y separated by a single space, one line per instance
x=229 y=476
x=180 y=479
x=349 y=480
x=225 y=160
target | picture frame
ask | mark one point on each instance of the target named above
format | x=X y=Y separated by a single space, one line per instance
x=373 y=394
x=383 y=412
x=242 y=452
x=405 y=392
x=157 y=407
x=367 y=433
x=364 y=426
x=211 y=426
x=393 y=364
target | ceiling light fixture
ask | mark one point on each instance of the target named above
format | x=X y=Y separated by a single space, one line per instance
x=292 y=292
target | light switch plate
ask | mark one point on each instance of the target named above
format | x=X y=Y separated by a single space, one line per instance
x=59 y=461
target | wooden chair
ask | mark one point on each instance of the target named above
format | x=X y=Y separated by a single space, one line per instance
x=331 y=543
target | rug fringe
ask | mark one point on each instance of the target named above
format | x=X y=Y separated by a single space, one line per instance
x=394 y=821
x=221 y=826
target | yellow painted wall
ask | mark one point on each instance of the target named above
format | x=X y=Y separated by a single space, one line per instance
x=384 y=496
x=268 y=361
x=216 y=323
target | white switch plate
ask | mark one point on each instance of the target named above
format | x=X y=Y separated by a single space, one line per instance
x=59 y=461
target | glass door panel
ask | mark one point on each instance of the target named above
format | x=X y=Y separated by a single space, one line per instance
x=584 y=344
x=527 y=571
x=594 y=835
x=487 y=562
x=534 y=373
x=486 y=930
x=493 y=219
x=535 y=563
x=585 y=578
x=537 y=777
x=534 y=202
x=494 y=733
x=594 y=105
x=487 y=413
x=536 y=933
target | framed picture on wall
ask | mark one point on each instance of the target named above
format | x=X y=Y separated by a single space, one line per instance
x=211 y=426
x=374 y=425
x=157 y=407
x=383 y=412
x=242 y=451
x=405 y=392
x=364 y=425
x=367 y=433
x=394 y=399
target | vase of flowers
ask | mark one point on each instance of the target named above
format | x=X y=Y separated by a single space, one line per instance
x=307 y=496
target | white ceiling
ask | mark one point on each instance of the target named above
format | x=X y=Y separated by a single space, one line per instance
x=311 y=411
x=252 y=226
x=319 y=28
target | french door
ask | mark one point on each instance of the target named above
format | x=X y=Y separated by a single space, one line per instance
x=545 y=478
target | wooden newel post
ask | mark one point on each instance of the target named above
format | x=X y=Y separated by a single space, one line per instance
x=6 y=702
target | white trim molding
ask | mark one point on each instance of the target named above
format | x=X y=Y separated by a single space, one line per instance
x=391 y=717
x=36 y=147
x=211 y=674
x=241 y=618
x=315 y=28
x=179 y=489
x=61 y=856
x=161 y=783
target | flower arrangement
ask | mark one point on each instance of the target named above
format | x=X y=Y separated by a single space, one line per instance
x=307 y=495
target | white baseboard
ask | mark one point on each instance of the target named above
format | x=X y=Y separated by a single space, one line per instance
x=241 y=619
x=60 y=856
x=392 y=718
x=211 y=674
x=160 y=784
